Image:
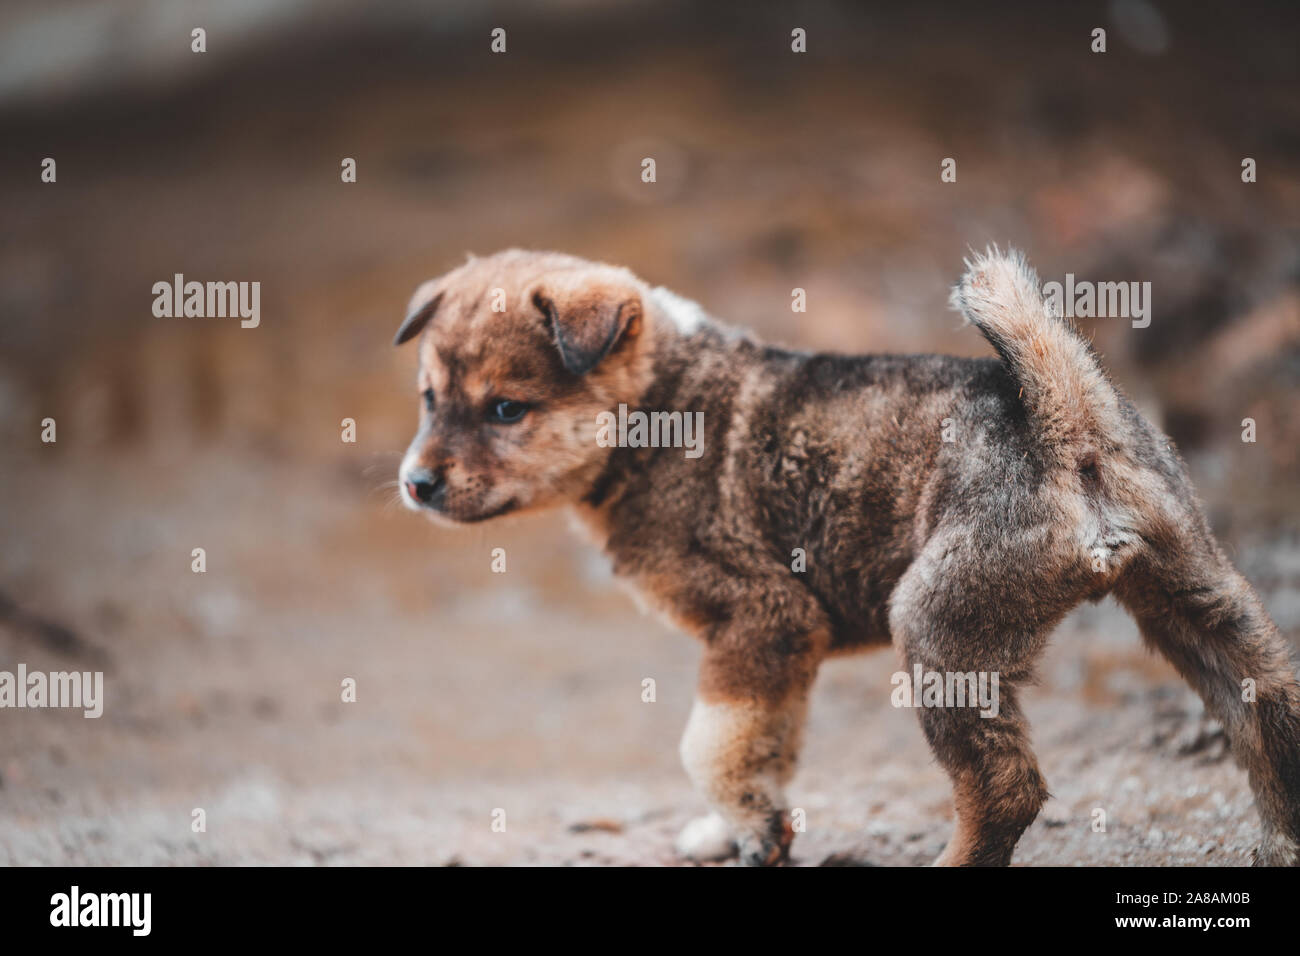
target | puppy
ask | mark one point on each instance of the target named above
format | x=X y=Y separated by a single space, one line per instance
x=828 y=512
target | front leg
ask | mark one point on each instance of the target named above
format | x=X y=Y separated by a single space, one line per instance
x=741 y=746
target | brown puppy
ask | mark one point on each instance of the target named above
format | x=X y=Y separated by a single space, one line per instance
x=958 y=508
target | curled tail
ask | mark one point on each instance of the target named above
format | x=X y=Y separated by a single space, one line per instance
x=1070 y=401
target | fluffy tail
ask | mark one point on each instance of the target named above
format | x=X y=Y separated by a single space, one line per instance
x=1067 y=395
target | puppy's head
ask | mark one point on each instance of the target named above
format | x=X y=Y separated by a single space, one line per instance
x=519 y=352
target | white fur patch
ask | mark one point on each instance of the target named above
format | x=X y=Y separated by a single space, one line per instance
x=686 y=315
x=998 y=287
x=706 y=839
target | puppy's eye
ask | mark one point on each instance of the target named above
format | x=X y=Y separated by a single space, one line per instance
x=427 y=395
x=1087 y=469
x=506 y=411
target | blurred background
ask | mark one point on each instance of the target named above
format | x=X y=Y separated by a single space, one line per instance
x=522 y=690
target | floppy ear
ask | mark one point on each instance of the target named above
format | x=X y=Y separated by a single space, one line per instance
x=589 y=321
x=423 y=305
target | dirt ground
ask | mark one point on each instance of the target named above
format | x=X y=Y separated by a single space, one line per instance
x=510 y=699
x=522 y=691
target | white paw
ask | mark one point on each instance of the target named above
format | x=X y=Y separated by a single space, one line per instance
x=705 y=839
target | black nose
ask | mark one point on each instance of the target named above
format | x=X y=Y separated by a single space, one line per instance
x=426 y=487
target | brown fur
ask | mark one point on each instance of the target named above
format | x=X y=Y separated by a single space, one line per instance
x=963 y=554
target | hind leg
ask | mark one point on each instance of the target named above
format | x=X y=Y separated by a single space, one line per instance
x=997 y=786
x=1198 y=611
x=949 y=618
